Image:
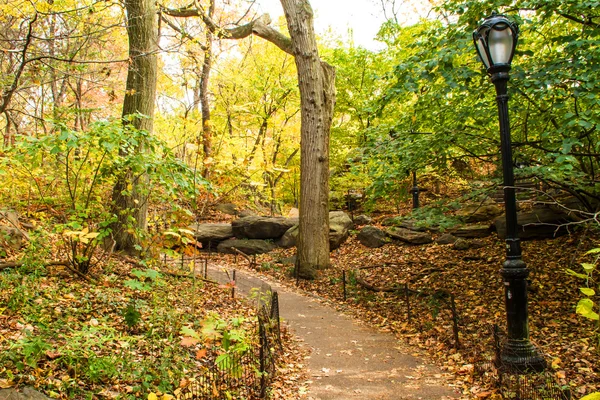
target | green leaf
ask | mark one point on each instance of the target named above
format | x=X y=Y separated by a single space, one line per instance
x=585 y=309
x=187 y=331
x=587 y=291
x=591 y=396
x=577 y=274
x=593 y=251
x=588 y=267
x=136 y=285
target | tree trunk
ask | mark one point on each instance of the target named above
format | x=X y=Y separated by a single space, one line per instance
x=129 y=200
x=316 y=81
x=205 y=104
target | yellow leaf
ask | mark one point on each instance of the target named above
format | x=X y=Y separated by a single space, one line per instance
x=189 y=341
x=167 y=397
x=5 y=383
x=152 y=396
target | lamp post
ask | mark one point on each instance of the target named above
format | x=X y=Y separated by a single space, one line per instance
x=495 y=41
x=415 y=191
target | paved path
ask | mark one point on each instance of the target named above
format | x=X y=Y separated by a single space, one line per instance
x=348 y=360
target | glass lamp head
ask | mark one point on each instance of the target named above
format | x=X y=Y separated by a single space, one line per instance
x=495 y=41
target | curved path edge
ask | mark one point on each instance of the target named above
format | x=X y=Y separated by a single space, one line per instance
x=348 y=360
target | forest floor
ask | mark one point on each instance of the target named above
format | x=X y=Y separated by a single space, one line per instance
x=121 y=333
x=569 y=342
x=128 y=331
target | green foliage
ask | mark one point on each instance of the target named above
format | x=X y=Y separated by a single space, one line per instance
x=76 y=170
x=230 y=337
x=587 y=307
x=131 y=315
x=436 y=105
x=435 y=215
x=76 y=330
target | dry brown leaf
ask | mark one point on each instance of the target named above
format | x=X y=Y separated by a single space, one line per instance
x=189 y=341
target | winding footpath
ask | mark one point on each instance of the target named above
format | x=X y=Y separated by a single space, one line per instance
x=348 y=360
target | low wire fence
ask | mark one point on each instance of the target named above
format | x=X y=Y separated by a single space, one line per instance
x=240 y=376
x=436 y=310
x=438 y=305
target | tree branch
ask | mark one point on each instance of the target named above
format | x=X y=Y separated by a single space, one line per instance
x=180 y=31
x=259 y=27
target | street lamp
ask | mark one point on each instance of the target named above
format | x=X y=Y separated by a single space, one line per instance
x=415 y=191
x=495 y=41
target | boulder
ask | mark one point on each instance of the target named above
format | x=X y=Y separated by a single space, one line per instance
x=26 y=394
x=211 y=234
x=473 y=231
x=409 y=236
x=373 y=237
x=11 y=237
x=289 y=238
x=464 y=244
x=479 y=212
x=339 y=227
x=11 y=216
x=293 y=213
x=446 y=238
x=409 y=224
x=539 y=223
x=461 y=244
x=255 y=227
x=246 y=213
x=246 y=246
x=227 y=208
x=362 y=220
x=288 y=260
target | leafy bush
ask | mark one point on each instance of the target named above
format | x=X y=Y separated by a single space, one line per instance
x=587 y=307
x=74 y=172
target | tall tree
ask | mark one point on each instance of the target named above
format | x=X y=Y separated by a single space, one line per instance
x=204 y=103
x=129 y=198
x=316 y=80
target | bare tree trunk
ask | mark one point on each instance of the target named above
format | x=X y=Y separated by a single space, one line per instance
x=129 y=200
x=205 y=104
x=317 y=96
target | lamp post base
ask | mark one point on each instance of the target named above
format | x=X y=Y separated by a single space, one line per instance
x=520 y=356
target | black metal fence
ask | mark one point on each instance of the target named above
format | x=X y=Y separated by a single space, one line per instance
x=440 y=305
x=240 y=376
x=440 y=308
x=516 y=385
x=247 y=375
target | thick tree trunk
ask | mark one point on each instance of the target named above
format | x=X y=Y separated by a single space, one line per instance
x=316 y=80
x=129 y=200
